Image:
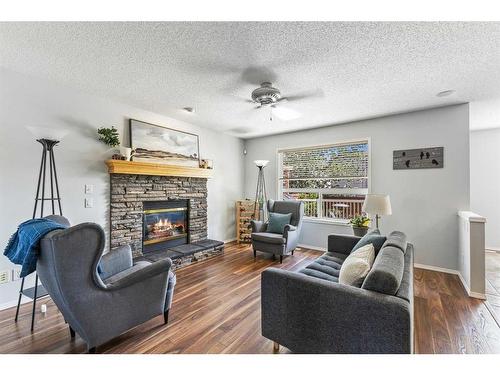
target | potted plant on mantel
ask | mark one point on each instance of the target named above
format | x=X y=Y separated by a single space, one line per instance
x=111 y=138
x=360 y=225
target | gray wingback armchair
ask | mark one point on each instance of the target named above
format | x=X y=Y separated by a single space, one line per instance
x=278 y=244
x=101 y=304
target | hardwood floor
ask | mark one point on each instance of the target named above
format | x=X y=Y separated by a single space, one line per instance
x=493 y=283
x=217 y=310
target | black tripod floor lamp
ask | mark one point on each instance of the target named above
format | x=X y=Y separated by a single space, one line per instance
x=54 y=203
x=260 y=192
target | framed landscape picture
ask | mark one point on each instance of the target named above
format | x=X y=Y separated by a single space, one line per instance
x=157 y=144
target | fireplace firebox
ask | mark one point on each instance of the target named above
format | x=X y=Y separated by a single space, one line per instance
x=165 y=224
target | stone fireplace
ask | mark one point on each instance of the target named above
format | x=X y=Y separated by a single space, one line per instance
x=134 y=197
x=160 y=211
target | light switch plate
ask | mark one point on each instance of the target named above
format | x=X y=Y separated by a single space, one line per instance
x=16 y=273
x=89 y=203
x=89 y=189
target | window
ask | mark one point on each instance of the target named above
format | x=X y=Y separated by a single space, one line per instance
x=331 y=180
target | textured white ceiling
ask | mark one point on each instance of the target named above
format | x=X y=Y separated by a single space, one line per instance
x=364 y=69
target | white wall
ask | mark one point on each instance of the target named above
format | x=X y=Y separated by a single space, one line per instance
x=424 y=202
x=25 y=101
x=485 y=181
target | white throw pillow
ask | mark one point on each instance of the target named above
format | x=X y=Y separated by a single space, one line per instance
x=357 y=265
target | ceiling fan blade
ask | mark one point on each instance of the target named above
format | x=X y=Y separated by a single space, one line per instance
x=285 y=114
x=318 y=93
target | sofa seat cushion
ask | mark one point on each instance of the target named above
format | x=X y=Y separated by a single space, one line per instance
x=326 y=267
x=268 y=237
x=137 y=266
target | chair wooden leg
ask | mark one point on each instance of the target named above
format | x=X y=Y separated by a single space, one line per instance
x=292 y=251
x=72 y=332
x=255 y=253
x=92 y=350
x=276 y=347
x=165 y=316
x=281 y=258
x=274 y=257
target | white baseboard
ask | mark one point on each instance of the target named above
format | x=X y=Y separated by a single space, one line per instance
x=494 y=249
x=9 y=304
x=453 y=272
x=311 y=247
x=434 y=268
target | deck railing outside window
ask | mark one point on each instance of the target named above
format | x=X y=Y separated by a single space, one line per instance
x=331 y=180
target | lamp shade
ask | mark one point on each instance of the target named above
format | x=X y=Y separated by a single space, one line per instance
x=377 y=204
x=43 y=132
x=261 y=163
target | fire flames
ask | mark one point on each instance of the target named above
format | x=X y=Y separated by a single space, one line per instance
x=165 y=228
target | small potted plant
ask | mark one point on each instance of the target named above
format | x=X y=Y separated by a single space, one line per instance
x=109 y=136
x=360 y=225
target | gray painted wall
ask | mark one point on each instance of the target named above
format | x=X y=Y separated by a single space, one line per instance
x=485 y=181
x=424 y=202
x=26 y=101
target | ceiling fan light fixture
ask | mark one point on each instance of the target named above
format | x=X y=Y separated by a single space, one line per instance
x=285 y=114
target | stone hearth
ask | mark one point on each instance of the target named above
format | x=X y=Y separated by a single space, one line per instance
x=129 y=191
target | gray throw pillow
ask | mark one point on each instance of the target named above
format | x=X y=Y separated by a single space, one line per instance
x=277 y=222
x=374 y=237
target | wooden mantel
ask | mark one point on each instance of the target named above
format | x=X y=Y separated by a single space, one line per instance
x=155 y=169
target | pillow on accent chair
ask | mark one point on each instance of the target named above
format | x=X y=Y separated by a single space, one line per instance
x=374 y=237
x=277 y=222
x=357 y=265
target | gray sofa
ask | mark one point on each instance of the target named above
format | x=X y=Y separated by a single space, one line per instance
x=100 y=305
x=278 y=244
x=310 y=312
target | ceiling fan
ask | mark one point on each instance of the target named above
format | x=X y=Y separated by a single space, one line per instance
x=268 y=96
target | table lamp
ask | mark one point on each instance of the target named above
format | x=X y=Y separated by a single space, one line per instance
x=377 y=204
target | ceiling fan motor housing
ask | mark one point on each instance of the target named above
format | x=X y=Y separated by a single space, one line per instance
x=266 y=94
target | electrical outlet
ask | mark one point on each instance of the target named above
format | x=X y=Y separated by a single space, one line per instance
x=89 y=189
x=4 y=276
x=89 y=203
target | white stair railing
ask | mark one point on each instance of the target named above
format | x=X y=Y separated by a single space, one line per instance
x=471 y=253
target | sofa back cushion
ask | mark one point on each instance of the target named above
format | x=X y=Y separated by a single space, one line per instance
x=374 y=237
x=387 y=271
x=397 y=239
x=356 y=266
x=277 y=222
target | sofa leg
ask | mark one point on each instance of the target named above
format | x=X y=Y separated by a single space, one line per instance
x=165 y=316
x=276 y=347
x=71 y=332
x=255 y=253
x=92 y=350
x=274 y=257
x=281 y=258
x=292 y=251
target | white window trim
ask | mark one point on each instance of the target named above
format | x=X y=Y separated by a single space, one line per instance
x=323 y=220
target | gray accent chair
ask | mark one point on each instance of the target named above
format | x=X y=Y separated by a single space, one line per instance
x=278 y=244
x=308 y=311
x=101 y=305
